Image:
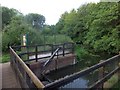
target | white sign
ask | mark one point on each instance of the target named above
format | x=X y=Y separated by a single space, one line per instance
x=24 y=40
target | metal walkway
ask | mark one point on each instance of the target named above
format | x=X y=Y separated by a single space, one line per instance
x=8 y=77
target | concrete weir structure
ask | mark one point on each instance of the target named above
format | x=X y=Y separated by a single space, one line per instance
x=56 y=63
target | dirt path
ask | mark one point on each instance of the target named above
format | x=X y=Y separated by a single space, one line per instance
x=8 y=77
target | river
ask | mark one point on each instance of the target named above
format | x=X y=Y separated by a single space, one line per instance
x=82 y=82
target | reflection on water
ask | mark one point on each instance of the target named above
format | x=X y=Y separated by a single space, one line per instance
x=83 y=82
x=78 y=83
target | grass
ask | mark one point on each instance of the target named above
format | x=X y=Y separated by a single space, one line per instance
x=111 y=82
x=117 y=85
x=4 y=58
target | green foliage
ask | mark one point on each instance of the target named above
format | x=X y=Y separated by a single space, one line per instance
x=57 y=39
x=12 y=33
x=97 y=26
x=7 y=15
x=4 y=58
x=35 y=20
x=47 y=39
x=81 y=52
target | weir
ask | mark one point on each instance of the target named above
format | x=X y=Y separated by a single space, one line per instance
x=56 y=68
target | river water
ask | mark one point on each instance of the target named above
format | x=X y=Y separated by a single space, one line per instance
x=81 y=82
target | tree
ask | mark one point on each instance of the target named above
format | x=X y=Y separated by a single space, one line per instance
x=36 y=20
x=7 y=15
x=97 y=26
x=12 y=33
x=59 y=27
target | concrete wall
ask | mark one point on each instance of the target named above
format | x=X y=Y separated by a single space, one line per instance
x=37 y=67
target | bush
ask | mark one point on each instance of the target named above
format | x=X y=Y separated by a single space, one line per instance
x=12 y=33
x=39 y=38
x=81 y=52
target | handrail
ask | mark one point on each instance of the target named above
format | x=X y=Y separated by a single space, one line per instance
x=74 y=76
x=34 y=50
x=18 y=46
x=52 y=56
x=35 y=80
x=104 y=78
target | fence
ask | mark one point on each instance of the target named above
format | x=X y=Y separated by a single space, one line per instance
x=48 y=49
x=25 y=76
x=101 y=79
x=28 y=79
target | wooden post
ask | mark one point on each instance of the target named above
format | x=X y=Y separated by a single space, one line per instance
x=119 y=73
x=72 y=47
x=11 y=57
x=27 y=48
x=119 y=70
x=36 y=55
x=27 y=79
x=63 y=50
x=56 y=64
x=101 y=75
x=32 y=76
x=51 y=49
x=57 y=54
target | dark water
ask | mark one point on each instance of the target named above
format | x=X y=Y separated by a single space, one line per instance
x=78 y=83
x=81 y=82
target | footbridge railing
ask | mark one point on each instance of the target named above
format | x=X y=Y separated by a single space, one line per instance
x=24 y=75
x=28 y=79
x=21 y=54
x=102 y=67
x=33 y=52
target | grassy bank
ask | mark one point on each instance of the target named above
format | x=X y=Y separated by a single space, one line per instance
x=112 y=83
x=116 y=86
x=5 y=58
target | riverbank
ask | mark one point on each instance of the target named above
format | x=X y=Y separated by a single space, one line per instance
x=111 y=83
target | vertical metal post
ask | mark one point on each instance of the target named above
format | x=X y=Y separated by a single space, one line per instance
x=36 y=55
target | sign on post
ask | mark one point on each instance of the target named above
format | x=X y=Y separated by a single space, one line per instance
x=24 y=43
x=24 y=40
